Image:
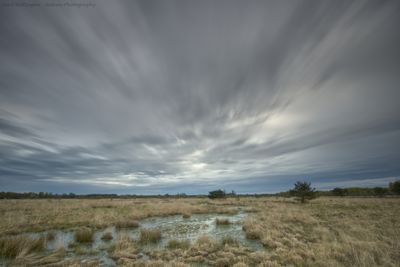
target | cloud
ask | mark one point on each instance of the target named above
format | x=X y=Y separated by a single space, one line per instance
x=153 y=97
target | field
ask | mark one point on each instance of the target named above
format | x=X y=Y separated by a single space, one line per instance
x=323 y=232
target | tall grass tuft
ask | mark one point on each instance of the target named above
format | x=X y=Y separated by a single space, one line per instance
x=186 y=215
x=84 y=235
x=150 y=236
x=126 y=224
x=11 y=247
x=229 y=241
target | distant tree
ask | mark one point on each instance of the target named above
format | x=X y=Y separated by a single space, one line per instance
x=394 y=187
x=379 y=191
x=303 y=191
x=216 y=194
x=231 y=194
x=340 y=192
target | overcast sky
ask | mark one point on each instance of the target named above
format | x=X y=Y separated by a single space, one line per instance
x=187 y=96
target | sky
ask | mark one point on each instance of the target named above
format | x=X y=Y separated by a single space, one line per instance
x=155 y=97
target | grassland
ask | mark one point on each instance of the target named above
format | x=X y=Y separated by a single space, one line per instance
x=324 y=232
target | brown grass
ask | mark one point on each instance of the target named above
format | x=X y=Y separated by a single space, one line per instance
x=26 y=215
x=50 y=236
x=150 y=236
x=222 y=221
x=329 y=232
x=229 y=241
x=186 y=215
x=124 y=248
x=84 y=235
x=107 y=236
x=13 y=246
x=126 y=224
x=178 y=244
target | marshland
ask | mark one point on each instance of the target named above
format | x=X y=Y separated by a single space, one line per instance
x=240 y=231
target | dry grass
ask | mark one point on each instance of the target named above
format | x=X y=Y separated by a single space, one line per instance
x=14 y=246
x=126 y=224
x=178 y=244
x=229 y=241
x=50 y=236
x=329 y=232
x=252 y=229
x=150 y=236
x=26 y=215
x=186 y=215
x=222 y=221
x=84 y=235
x=107 y=236
x=124 y=250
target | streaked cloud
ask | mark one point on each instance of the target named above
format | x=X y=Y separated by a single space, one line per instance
x=187 y=96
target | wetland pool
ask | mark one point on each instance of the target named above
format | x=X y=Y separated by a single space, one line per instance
x=172 y=228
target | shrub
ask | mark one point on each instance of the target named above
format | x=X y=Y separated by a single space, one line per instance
x=150 y=236
x=380 y=191
x=223 y=221
x=340 y=192
x=84 y=235
x=394 y=187
x=176 y=244
x=216 y=194
x=303 y=191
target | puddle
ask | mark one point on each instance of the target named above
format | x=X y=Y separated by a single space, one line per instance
x=171 y=227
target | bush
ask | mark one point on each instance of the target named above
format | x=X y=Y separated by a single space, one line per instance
x=303 y=191
x=340 y=192
x=394 y=187
x=216 y=194
x=150 y=236
x=380 y=191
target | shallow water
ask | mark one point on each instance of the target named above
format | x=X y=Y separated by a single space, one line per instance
x=171 y=227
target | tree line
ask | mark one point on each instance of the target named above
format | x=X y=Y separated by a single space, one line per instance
x=302 y=190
